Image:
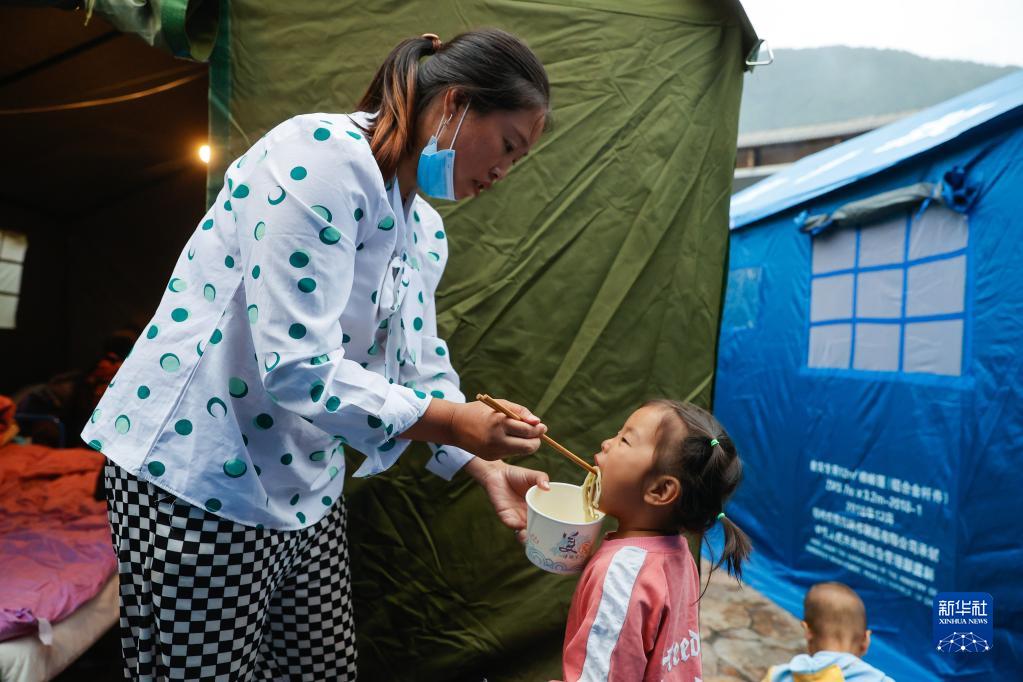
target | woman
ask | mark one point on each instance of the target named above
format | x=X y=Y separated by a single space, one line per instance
x=299 y=318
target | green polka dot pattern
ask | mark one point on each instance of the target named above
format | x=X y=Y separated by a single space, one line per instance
x=330 y=235
x=156 y=468
x=183 y=427
x=216 y=407
x=235 y=468
x=237 y=387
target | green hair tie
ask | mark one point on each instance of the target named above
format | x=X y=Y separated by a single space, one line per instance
x=721 y=516
x=713 y=442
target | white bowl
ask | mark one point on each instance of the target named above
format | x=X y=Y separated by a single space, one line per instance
x=559 y=539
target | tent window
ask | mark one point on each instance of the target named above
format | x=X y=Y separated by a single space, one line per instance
x=12 y=257
x=742 y=299
x=891 y=297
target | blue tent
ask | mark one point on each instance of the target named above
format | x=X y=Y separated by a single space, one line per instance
x=870 y=369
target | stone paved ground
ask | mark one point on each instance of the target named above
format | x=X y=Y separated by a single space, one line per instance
x=743 y=633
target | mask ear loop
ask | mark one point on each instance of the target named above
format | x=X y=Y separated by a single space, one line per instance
x=443 y=123
x=459 y=126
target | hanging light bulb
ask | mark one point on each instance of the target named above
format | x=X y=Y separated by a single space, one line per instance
x=204 y=153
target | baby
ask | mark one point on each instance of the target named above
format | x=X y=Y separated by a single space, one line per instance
x=634 y=613
x=835 y=625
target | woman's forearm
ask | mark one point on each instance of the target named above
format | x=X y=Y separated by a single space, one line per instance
x=435 y=426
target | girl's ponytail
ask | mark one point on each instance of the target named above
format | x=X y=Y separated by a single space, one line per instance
x=703 y=458
x=736 y=550
x=392 y=95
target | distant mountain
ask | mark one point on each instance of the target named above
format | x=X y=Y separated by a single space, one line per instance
x=830 y=84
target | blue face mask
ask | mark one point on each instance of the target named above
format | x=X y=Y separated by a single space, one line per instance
x=435 y=174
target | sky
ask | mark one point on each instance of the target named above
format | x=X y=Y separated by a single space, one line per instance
x=986 y=31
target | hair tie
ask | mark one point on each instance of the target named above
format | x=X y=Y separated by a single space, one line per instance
x=435 y=39
x=721 y=516
x=713 y=442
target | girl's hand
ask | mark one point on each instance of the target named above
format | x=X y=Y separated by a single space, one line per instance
x=491 y=435
x=506 y=486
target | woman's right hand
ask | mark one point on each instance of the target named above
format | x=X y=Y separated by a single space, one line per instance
x=491 y=435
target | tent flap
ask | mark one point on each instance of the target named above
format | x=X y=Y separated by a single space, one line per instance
x=186 y=28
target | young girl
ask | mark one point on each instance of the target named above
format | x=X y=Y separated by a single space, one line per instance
x=670 y=469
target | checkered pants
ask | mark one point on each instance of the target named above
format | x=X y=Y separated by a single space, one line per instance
x=204 y=598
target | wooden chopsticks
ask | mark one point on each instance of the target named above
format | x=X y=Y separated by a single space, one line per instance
x=493 y=404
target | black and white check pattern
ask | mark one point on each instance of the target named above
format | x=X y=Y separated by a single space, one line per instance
x=204 y=598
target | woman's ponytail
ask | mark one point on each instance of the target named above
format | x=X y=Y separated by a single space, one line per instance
x=392 y=95
x=489 y=67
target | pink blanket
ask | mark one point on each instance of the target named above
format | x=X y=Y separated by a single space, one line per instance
x=55 y=551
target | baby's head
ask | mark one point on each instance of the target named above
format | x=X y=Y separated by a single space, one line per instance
x=834 y=619
x=672 y=467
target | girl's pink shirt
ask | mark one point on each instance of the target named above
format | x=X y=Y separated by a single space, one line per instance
x=634 y=614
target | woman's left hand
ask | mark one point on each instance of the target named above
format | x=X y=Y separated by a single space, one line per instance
x=506 y=486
